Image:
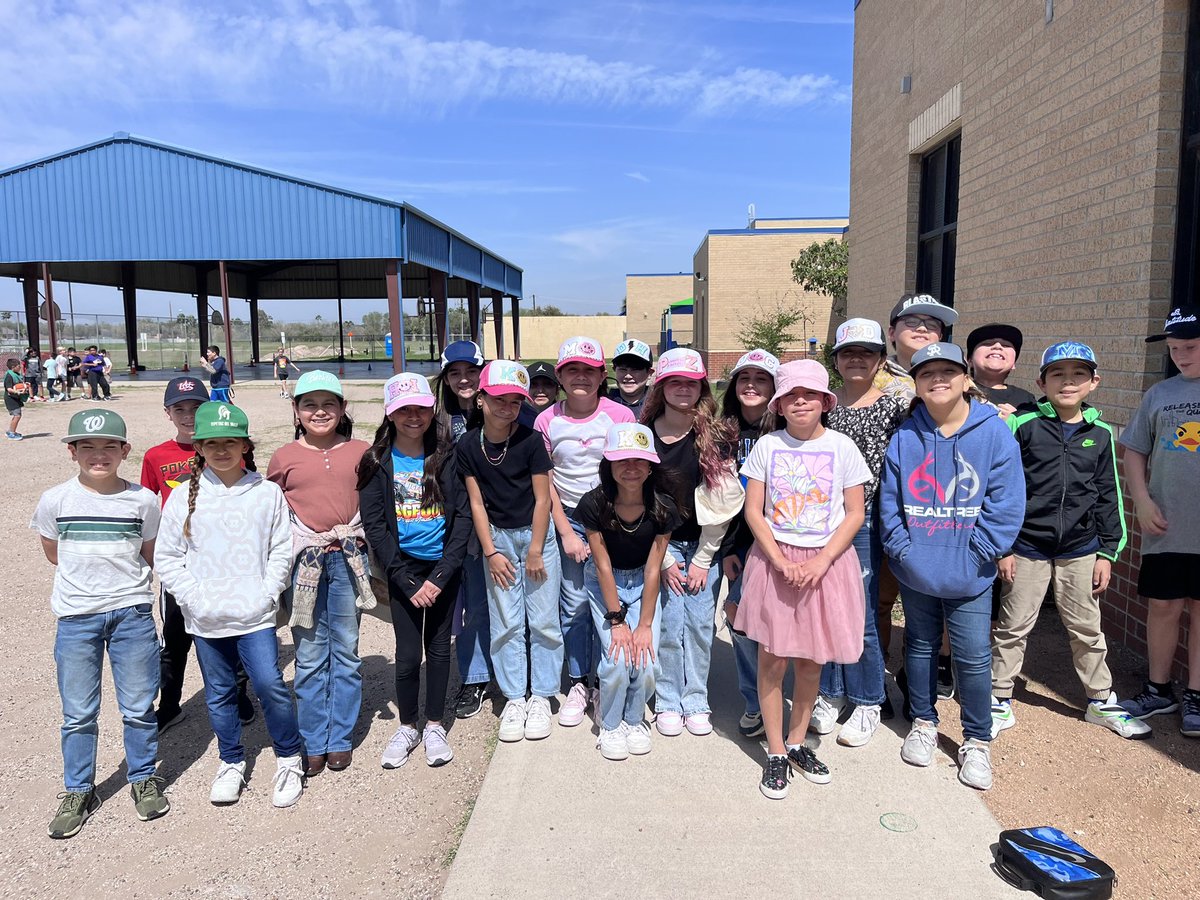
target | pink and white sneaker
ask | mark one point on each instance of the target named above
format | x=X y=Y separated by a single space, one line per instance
x=574 y=708
x=698 y=724
x=669 y=724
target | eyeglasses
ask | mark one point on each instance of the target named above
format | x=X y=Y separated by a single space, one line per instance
x=915 y=322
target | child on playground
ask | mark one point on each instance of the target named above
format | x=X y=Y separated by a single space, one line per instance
x=1162 y=465
x=803 y=597
x=633 y=364
x=1074 y=530
x=574 y=430
x=318 y=473
x=98 y=530
x=951 y=502
x=219 y=378
x=16 y=393
x=417 y=521
x=281 y=361
x=225 y=552
x=507 y=473
x=628 y=519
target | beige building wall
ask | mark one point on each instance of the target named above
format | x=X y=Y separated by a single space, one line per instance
x=542 y=335
x=646 y=296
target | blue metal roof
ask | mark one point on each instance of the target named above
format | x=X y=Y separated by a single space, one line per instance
x=129 y=199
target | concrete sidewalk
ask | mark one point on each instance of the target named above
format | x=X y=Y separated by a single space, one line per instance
x=555 y=819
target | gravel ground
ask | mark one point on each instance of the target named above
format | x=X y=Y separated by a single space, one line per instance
x=356 y=833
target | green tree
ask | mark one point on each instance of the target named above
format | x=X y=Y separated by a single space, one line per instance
x=375 y=324
x=771 y=329
x=822 y=268
x=551 y=310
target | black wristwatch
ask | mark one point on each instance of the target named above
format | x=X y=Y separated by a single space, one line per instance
x=616 y=618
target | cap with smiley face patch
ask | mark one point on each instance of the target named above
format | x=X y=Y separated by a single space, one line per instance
x=503 y=376
x=406 y=389
x=628 y=440
x=584 y=350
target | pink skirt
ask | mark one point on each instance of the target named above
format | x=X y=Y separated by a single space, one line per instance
x=823 y=624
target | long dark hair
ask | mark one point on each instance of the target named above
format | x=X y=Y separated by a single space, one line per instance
x=662 y=492
x=437 y=447
x=731 y=410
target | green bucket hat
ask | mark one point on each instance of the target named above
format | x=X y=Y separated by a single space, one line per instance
x=317 y=380
x=96 y=423
x=220 y=420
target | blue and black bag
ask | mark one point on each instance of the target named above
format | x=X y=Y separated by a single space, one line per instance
x=1048 y=862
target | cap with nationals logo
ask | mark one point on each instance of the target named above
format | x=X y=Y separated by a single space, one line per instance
x=946 y=352
x=682 y=362
x=503 y=376
x=184 y=388
x=406 y=389
x=96 y=423
x=627 y=440
x=584 y=350
x=859 y=333
x=757 y=358
x=634 y=350
x=216 y=420
x=1182 y=323
x=923 y=305
x=1068 y=351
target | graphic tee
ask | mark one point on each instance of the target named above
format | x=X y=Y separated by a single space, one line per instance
x=804 y=483
x=627 y=549
x=166 y=466
x=100 y=536
x=422 y=529
x=506 y=486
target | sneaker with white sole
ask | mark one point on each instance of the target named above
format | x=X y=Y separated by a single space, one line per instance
x=1189 y=714
x=613 y=742
x=401 y=745
x=537 y=718
x=750 y=725
x=512 y=721
x=669 y=723
x=824 y=716
x=1112 y=716
x=1002 y=716
x=975 y=764
x=288 y=781
x=1150 y=702
x=437 y=748
x=637 y=738
x=805 y=761
x=574 y=708
x=775 y=777
x=698 y=724
x=918 y=747
x=860 y=727
x=227 y=786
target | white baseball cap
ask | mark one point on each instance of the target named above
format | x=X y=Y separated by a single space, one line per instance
x=581 y=349
x=757 y=358
x=503 y=376
x=859 y=333
x=682 y=362
x=628 y=440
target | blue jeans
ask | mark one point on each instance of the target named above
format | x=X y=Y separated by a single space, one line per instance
x=969 y=621
x=862 y=682
x=745 y=650
x=259 y=653
x=687 y=636
x=624 y=688
x=328 y=680
x=527 y=602
x=471 y=647
x=132 y=646
x=580 y=644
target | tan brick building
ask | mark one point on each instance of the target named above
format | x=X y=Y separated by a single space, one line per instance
x=1023 y=162
x=646 y=296
x=740 y=272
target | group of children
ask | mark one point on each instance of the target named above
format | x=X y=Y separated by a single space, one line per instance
x=578 y=534
x=59 y=373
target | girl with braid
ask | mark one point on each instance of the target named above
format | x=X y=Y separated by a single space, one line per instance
x=225 y=551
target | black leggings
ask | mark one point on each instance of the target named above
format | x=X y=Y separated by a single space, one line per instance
x=418 y=627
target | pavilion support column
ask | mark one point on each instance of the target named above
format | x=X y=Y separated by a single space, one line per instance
x=395 y=314
x=498 y=321
x=129 y=301
x=255 y=349
x=29 y=288
x=473 y=309
x=51 y=308
x=441 y=312
x=516 y=314
x=202 y=307
x=223 y=274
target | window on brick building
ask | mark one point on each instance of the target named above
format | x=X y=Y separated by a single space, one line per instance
x=937 y=231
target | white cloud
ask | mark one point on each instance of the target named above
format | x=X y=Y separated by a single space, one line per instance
x=637 y=176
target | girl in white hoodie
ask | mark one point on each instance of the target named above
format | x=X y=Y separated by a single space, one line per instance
x=225 y=552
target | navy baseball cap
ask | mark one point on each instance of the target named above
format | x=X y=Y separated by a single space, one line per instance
x=1182 y=323
x=462 y=351
x=923 y=305
x=1068 y=351
x=184 y=388
x=941 y=351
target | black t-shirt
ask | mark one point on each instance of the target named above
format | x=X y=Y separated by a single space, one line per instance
x=683 y=458
x=1012 y=395
x=506 y=486
x=626 y=550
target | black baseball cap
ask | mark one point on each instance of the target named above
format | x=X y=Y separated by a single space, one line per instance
x=985 y=333
x=1182 y=323
x=542 y=370
x=185 y=388
x=923 y=305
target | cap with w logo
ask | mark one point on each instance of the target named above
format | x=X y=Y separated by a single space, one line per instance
x=220 y=420
x=102 y=424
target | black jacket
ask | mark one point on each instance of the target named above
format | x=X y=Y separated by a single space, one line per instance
x=1072 y=495
x=377 y=504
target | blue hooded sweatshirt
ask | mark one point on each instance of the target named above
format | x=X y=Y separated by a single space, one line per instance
x=951 y=506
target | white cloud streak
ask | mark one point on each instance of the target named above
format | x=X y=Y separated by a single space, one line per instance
x=637 y=176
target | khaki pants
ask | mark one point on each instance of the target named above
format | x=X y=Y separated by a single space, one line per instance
x=1080 y=613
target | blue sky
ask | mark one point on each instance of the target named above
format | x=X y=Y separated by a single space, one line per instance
x=581 y=141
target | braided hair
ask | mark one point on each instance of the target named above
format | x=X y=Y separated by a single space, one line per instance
x=196 y=466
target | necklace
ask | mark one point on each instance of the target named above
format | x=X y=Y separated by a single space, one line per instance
x=636 y=525
x=503 y=452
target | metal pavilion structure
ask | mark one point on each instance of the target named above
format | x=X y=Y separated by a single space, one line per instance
x=136 y=214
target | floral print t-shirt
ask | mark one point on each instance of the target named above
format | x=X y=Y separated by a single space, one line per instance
x=871 y=428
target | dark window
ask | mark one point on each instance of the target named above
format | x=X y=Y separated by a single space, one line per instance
x=938 y=222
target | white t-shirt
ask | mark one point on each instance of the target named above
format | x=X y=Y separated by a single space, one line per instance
x=804 y=483
x=100 y=536
x=576 y=446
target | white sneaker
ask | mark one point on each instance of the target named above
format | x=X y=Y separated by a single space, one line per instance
x=614 y=743
x=512 y=721
x=975 y=764
x=1113 y=717
x=402 y=743
x=227 y=786
x=574 y=708
x=637 y=738
x=860 y=727
x=1003 y=716
x=437 y=748
x=824 y=716
x=919 y=745
x=668 y=723
x=537 y=718
x=289 y=781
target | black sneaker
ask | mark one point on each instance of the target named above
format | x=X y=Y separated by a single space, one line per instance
x=469 y=700
x=774 y=783
x=168 y=718
x=751 y=725
x=945 y=678
x=245 y=710
x=804 y=761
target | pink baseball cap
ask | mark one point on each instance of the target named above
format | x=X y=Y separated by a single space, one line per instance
x=503 y=376
x=682 y=362
x=406 y=389
x=585 y=350
x=802 y=373
x=628 y=440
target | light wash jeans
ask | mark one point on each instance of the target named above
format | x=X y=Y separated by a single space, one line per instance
x=471 y=645
x=687 y=636
x=527 y=602
x=132 y=644
x=259 y=653
x=862 y=682
x=580 y=643
x=328 y=680
x=624 y=688
x=745 y=649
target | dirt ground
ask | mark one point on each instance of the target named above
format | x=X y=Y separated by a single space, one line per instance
x=360 y=832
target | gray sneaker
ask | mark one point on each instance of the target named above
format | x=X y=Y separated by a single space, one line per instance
x=403 y=742
x=920 y=743
x=437 y=748
x=1189 y=715
x=74 y=810
x=148 y=798
x=975 y=764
